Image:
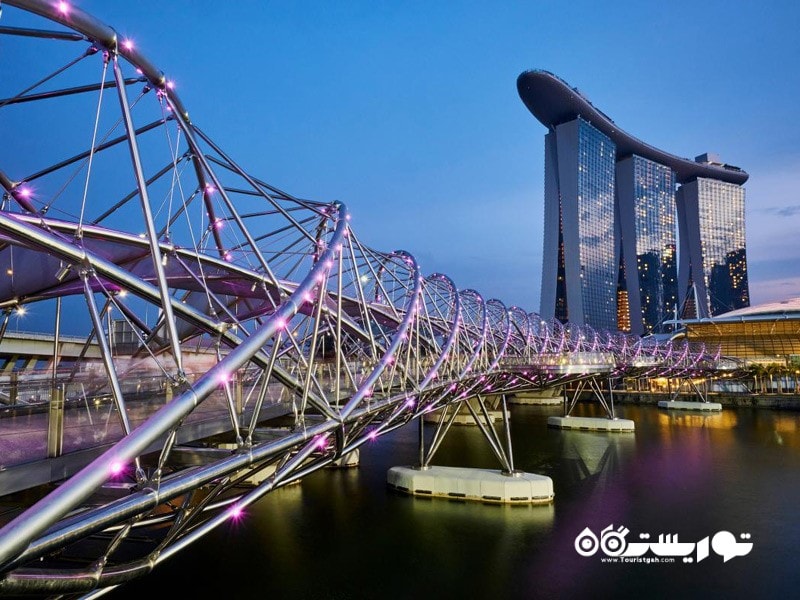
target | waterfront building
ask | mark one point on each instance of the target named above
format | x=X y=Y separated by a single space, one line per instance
x=618 y=252
x=712 y=233
x=580 y=257
x=646 y=206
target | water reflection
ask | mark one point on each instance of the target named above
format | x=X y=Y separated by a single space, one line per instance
x=595 y=455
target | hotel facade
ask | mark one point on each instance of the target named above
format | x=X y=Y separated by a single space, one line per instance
x=633 y=235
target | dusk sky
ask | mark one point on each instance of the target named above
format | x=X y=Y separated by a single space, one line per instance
x=408 y=112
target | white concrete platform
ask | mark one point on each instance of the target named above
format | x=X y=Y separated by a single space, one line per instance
x=464 y=417
x=546 y=397
x=591 y=423
x=690 y=405
x=481 y=485
x=351 y=459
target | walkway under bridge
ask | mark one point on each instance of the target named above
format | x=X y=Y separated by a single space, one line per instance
x=130 y=213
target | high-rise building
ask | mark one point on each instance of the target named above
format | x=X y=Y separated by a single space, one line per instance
x=612 y=255
x=646 y=206
x=579 y=226
x=713 y=262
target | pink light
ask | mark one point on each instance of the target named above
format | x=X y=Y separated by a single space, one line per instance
x=307 y=297
x=322 y=442
x=410 y=403
x=224 y=377
x=281 y=324
x=127 y=44
x=116 y=468
x=228 y=257
x=390 y=360
x=171 y=84
x=25 y=192
x=236 y=513
x=373 y=435
x=210 y=188
x=63 y=8
x=328 y=264
x=219 y=224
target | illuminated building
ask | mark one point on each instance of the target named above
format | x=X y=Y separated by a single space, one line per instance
x=610 y=203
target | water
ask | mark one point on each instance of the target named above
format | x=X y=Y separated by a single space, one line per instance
x=343 y=534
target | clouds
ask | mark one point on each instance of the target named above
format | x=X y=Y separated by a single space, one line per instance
x=784 y=211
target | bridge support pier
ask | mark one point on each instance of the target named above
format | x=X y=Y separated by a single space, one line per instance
x=506 y=486
x=549 y=396
x=55 y=423
x=609 y=423
x=701 y=403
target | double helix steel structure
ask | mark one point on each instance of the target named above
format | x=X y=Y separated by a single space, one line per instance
x=120 y=213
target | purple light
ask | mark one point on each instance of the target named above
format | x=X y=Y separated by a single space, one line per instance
x=281 y=324
x=219 y=224
x=171 y=84
x=224 y=377
x=410 y=403
x=307 y=297
x=63 y=8
x=25 y=192
x=116 y=468
x=210 y=188
x=236 y=513
x=228 y=257
x=328 y=264
x=373 y=435
x=127 y=44
x=322 y=442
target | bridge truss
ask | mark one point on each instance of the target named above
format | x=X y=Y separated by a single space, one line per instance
x=127 y=211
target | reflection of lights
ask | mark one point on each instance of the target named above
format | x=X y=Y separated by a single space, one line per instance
x=21 y=310
x=122 y=293
x=116 y=468
x=236 y=513
x=9 y=271
x=322 y=442
x=127 y=44
x=25 y=192
x=63 y=7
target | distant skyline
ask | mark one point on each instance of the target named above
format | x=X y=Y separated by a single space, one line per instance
x=409 y=114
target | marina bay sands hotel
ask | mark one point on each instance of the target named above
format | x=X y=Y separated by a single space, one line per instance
x=613 y=256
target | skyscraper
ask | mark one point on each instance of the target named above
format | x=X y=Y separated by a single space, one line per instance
x=580 y=256
x=611 y=255
x=713 y=262
x=646 y=208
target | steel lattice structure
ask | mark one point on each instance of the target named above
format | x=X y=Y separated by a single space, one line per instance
x=129 y=210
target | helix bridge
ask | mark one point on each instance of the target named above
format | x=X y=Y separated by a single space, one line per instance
x=119 y=209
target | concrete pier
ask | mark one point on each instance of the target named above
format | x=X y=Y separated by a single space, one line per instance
x=463 y=418
x=690 y=405
x=481 y=485
x=546 y=397
x=591 y=423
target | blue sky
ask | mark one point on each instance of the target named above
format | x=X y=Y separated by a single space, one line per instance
x=408 y=111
